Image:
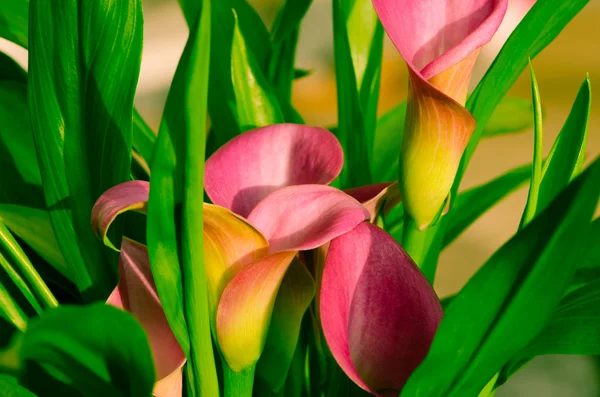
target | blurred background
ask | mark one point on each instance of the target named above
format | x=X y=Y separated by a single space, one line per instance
x=560 y=69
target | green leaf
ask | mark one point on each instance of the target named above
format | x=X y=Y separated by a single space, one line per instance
x=288 y=19
x=566 y=156
x=221 y=97
x=512 y=115
x=11 y=388
x=358 y=38
x=538 y=153
x=11 y=70
x=174 y=211
x=256 y=103
x=144 y=138
x=574 y=327
x=473 y=203
x=539 y=27
x=386 y=147
x=10 y=308
x=83 y=68
x=32 y=279
x=513 y=290
x=13 y=21
x=33 y=226
x=102 y=352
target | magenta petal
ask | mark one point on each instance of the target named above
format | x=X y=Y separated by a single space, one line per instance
x=433 y=35
x=304 y=217
x=373 y=197
x=137 y=294
x=254 y=164
x=379 y=313
x=132 y=195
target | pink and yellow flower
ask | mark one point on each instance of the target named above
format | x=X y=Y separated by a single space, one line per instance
x=440 y=41
x=271 y=200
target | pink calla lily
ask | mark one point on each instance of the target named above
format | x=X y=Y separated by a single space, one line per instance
x=440 y=41
x=247 y=259
x=379 y=313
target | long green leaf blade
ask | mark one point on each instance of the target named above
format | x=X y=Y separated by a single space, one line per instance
x=83 y=69
x=173 y=193
x=566 y=156
x=538 y=153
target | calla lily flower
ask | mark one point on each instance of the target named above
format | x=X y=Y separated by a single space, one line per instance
x=440 y=41
x=136 y=291
x=379 y=313
x=275 y=179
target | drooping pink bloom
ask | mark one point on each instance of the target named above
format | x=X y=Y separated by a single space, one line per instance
x=379 y=313
x=440 y=41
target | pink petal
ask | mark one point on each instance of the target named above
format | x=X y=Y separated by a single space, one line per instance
x=132 y=195
x=379 y=313
x=137 y=294
x=305 y=216
x=433 y=35
x=256 y=163
x=373 y=197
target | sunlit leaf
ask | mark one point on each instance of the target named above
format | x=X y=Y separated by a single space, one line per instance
x=176 y=189
x=511 y=291
x=83 y=68
x=538 y=153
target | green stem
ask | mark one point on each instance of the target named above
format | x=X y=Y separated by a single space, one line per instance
x=31 y=275
x=238 y=384
x=417 y=243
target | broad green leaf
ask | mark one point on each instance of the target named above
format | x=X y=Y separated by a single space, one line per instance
x=11 y=70
x=102 y=352
x=256 y=102
x=573 y=328
x=83 y=68
x=538 y=153
x=512 y=115
x=592 y=259
x=539 y=27
x=175 y=207
x=566 y=156
x=17 y=151
x=31 y=282
x=13 y=21
x=518 y=288
x=473 y=203
x=221 y=97
x=11 y=388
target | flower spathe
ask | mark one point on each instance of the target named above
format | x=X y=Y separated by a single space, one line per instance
x=440 y=41
x=379 y=313
x=258 y=289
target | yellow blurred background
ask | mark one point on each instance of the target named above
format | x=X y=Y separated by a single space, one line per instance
x=560 y=70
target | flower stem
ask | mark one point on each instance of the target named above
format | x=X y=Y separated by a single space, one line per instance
x=238 y=384
x=417 y=244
